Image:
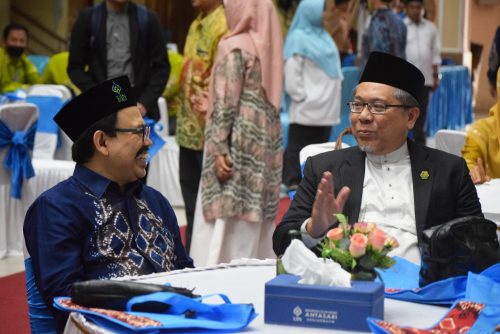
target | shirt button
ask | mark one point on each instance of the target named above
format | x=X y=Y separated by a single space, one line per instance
x=390 y=185
x=388 y=168
x=392 y=197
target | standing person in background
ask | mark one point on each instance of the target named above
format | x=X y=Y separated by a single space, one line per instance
x=313 y=85
x=482 y=144
x=243 y=150
x=171 y=91
x=335 y=22
x=386 y=32
x=118 y=37
x=494 y=63
x=199 y=55
x=55 y=72
x=424 y=51
x=16 y=70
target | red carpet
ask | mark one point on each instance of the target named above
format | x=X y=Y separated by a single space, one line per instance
x=13 y=304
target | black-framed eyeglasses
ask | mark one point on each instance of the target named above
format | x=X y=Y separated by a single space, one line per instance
x=145 y=130
x=374 y=108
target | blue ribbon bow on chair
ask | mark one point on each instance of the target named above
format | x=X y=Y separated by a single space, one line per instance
x=17 y=159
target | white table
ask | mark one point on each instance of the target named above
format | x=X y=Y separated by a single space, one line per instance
x=245 y=284
x=489 y=196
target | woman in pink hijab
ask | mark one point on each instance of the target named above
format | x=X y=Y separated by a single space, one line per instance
x=243 y=149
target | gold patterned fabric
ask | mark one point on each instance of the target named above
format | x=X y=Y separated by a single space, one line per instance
x=199 y=54
x=483 y=140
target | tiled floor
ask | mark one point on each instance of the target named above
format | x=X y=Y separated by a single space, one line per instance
x=11 y=265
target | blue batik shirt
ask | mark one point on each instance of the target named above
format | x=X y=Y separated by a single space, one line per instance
x=87 y=228
x=386 y=33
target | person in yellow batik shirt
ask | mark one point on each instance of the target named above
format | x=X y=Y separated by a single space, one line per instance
x=171 y=91
x=199 y=54
x=482 y=144
x=55 y=72
x=16 y=70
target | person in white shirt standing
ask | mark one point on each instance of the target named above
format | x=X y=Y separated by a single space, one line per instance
x=313 y=83
x=422 y=50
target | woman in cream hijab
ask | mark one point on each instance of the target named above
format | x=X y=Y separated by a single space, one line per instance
x=482 y=145
x=243 y=150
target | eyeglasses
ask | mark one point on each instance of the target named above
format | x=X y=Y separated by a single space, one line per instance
x=145 y=130
x=375 y=108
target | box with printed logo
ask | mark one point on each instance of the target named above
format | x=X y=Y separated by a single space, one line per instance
x=289 y=303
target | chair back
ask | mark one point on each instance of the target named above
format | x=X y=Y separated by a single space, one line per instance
x=49 y=99
x=162 y=106
x=313 y=149
x=16 y=117
x=451 y=141
x=41 y=318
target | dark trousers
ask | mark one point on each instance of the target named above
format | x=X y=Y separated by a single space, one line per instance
x=190 y=164
x=419 y=133
x=300 y=136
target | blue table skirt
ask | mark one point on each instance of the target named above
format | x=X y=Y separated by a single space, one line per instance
x=450 y=106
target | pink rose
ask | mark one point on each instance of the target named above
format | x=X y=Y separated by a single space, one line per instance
x=363 y=227
x=377 y=239
x=358 y=244
x=335 y=233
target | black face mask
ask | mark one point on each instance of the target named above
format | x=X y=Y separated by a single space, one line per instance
x=14 y=51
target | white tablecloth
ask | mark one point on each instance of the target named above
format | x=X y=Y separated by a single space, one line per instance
x=489 y=196
x=245 y=284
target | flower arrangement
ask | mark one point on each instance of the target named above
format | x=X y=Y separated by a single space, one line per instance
x=358 y=249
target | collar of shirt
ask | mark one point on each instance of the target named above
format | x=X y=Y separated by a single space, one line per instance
x=391 y=158
x=98 y=185
x=117 y=12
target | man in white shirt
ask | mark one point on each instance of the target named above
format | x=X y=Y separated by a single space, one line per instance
x=422 y=50
x=387 y=179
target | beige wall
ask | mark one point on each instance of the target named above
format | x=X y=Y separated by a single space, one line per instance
x=4 y=13
x=484 y=21
x=52 y=15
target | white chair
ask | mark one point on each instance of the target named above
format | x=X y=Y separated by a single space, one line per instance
x=17 y=117
x=162 y=106
x=50 y=98
x=313 y=149
x=163 y=174
x=451 y=141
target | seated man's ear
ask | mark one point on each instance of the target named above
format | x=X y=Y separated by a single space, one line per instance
x=100 y=142
x=413 y=114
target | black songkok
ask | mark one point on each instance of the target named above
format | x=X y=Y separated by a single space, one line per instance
x=95 y=104
x=393 y=71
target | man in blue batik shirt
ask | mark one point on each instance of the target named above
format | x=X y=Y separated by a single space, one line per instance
x=102 y=222
x=386 y=32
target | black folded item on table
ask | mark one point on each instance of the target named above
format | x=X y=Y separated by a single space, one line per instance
x=457 y=247
x=114 y=295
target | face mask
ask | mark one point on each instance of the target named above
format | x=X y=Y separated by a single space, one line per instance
x=15 y=51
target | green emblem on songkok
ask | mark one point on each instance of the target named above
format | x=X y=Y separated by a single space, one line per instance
x=117 y=90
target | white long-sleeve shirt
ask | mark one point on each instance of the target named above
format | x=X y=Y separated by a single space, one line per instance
x=423 y=48
x=315 y=96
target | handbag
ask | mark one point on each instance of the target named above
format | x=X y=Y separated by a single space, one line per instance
x=114 y=295
x=181 y=314
x=457 y=247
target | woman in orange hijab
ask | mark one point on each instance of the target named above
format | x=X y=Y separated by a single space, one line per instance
x=482 y=145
